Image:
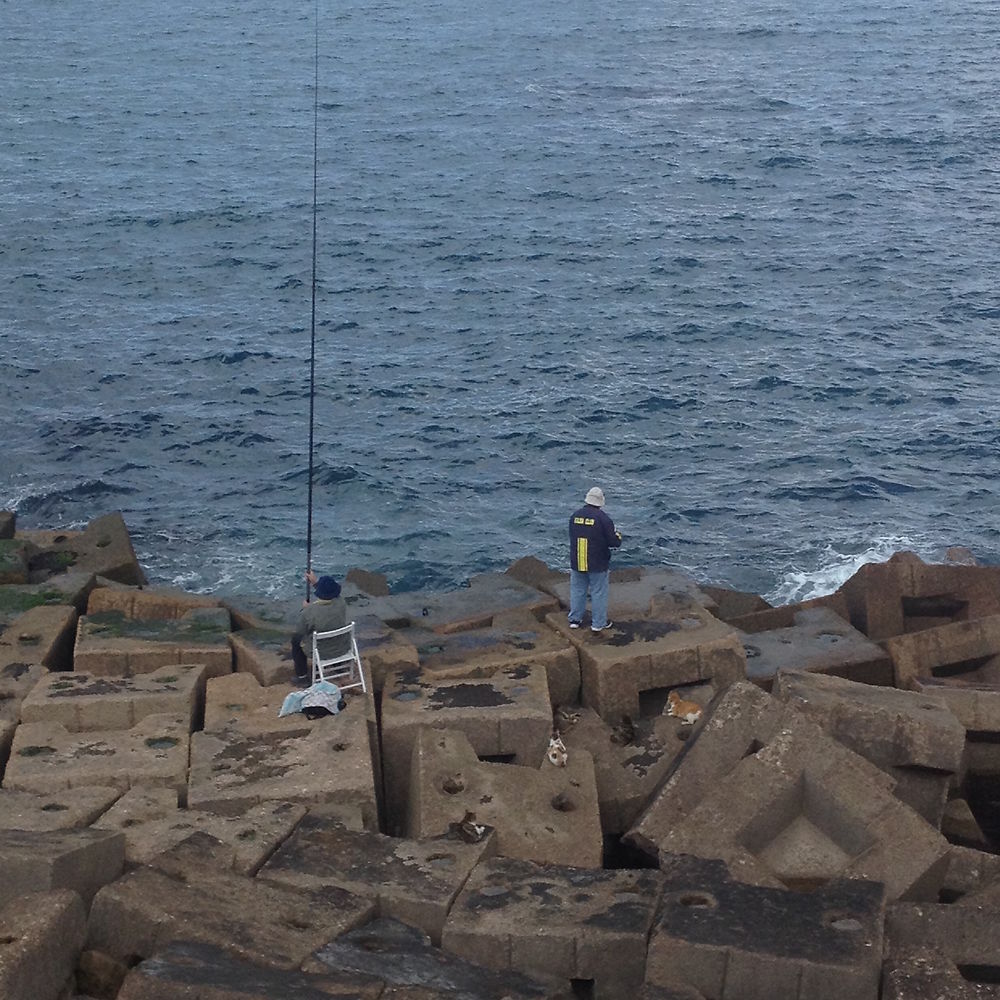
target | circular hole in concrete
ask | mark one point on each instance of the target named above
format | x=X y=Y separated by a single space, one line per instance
x=563 y=803
x=751 y=651
x=338 y=747
x=697 y=900
x=36 y=751
x=52 y=807
x=60 y=538
x=453 y=785
x=494 y=890
x=843 y=922
x=7 y=939
x=688 y=622
x=407 y=696
x=103 y=542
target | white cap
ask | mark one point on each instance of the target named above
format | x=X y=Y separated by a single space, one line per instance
x=595 y=496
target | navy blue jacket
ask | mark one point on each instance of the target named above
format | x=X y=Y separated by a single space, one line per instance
x=592 y=536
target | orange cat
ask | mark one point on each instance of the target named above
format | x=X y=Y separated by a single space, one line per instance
x=687 y=711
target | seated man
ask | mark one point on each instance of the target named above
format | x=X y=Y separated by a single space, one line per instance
x=326 y=613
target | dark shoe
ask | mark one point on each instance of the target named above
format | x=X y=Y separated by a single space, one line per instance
x=301 y=681
x=604 y=629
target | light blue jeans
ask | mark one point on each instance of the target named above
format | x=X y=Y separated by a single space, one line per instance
x=597 y=584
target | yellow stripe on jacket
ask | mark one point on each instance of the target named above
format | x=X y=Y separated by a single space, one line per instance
x=581 y=554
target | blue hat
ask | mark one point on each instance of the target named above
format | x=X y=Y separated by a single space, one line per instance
x=327 y=588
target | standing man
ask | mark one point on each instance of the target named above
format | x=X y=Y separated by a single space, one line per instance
x=592 y=536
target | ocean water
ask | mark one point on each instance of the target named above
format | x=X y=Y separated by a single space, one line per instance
x=736 y=263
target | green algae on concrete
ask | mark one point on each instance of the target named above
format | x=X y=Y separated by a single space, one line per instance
x=203 y=629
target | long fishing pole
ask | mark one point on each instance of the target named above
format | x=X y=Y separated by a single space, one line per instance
x=312 y=337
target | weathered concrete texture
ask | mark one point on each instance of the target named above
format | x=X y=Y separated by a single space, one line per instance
x=188 y=969
x=8 y=522
x=975 y=705
x=629 y=763
x=42 y=634
x=733 y=604
x=911 y=736
x=410 y=880
x=81 y=860
x=103 y=547
x=818 y=641
x=906 y=594
x=506 y=715
x=239 y=700
x=148 y=909
x=109 y=643
x=326 y=761
x=733 y=941
x=960 y=826
x=475 y=606
x=14 y=557
x=516 y=639
x=784 y=805
x=966 y=649
x=45 y=757
x=638 y=592
x=969 y=870
x=264 y=653
x=557 y=921
x=965 y=933
x=403 y=959
x=384 y=651
x=550 y=815
x=17 y=679
x=629 y=669
x=41 y=935
x=925 y=974
x=253 y=612
x=152 y=604
x=768 y=619
x=250 y=837
x=70 y=588
x=536 y=573
x=69 y=809
x=83 y=703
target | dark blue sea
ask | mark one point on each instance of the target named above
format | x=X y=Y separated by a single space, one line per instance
x=737 y=263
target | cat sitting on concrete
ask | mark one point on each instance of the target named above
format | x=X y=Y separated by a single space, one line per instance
x=687 y=711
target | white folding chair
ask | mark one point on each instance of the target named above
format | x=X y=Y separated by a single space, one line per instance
x=342 y=665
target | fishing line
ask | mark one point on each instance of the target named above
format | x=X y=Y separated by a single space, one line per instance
x=312 y=335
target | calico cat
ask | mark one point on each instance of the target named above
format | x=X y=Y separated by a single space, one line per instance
x=557 y=754
x=687 y=711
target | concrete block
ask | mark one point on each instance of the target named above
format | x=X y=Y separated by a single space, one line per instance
x=69 y=588
x=103 y=548
x=976 y=705
x=8 y=522
x=108 y=643
x=548 y=815
x=641 y=592
x=328 y=761
x=266 y=654
x=966 y=649
x=506 y=715
x=42 y=634
x=69 y=809
x=46 y=757
x=733 y=941
x=190 y=969
x=965 y=932
x=475 y=606
x=403 y=959
x=960 y=826
x=912 y=737
x=906 y=595
x=17 y=679
x=580 y=926
x=41 y=935
x=81 y=860
x=14 y=558
x=151 y=604
x=516 y=639
x=969 y=870
x=249 y=612
x=768 y=619
x=630 y=669
x=251 y=837
x=384 y=651
x=818 y=641
x=414 y=881
x=784 y=805
x=925 y=974
x=733 y=604
x=239 y=700
x=148 y=909
x=629 y=762
x=83 y=703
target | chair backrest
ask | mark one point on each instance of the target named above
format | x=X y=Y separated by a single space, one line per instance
x=345 y=661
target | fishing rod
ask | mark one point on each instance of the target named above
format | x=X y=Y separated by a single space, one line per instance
x=312 y=324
